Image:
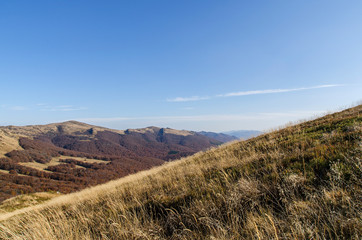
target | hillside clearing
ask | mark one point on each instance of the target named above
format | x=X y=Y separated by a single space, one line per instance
x=57 y=160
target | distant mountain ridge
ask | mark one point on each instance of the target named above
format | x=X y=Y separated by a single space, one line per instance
x=222 y=137
x=244 y=134
x=71 y=155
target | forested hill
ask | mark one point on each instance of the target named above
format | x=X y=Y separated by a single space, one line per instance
x=69 y=156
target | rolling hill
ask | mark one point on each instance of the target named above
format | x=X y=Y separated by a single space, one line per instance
x=299 y=182
x=69 y=156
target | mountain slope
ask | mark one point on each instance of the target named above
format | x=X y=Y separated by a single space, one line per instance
x=301 y=182
x=219 y=136
x=69 y=156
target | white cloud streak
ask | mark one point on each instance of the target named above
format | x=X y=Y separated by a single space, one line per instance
x=18 y=108
x=245 y=93
x=14 y=108
x=187 y=99
x=62 y=108
x=254 y=92
x=44 y=107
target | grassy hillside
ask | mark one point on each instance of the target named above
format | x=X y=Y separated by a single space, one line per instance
x=300 y=182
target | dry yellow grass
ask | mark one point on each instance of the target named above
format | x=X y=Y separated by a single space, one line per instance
x=8 y=172
x=301 y=182
x=177 y=132
x=8 y=142
x=57 y=160
x=26 y=200
x=4 y=171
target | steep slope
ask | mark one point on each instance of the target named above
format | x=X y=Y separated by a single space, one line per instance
x=301 y=182
x=69 y=156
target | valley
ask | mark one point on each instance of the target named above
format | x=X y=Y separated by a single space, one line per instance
x=70 y=156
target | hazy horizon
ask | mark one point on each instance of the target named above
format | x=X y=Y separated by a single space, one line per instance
x=179 y=121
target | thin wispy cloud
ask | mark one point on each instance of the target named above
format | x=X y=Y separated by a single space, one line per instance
x=253 y=92
x=267 y=91
x=187 y=99
x=61 y=108
x=14 y=108
x=44 y=107
x=17 y=108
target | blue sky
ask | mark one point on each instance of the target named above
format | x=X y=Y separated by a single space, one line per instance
x=198 y=65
